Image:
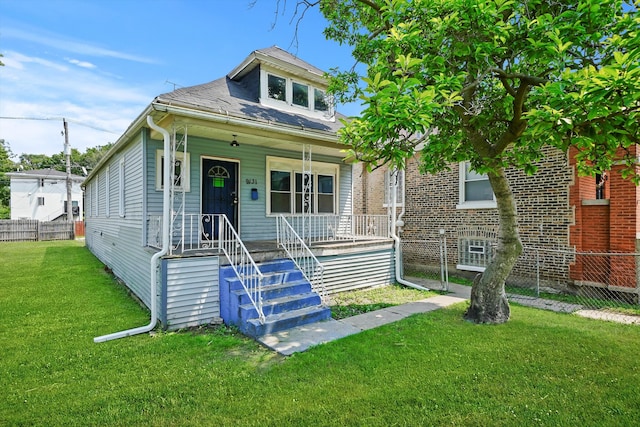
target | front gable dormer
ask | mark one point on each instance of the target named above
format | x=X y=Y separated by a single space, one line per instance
x=286 y=83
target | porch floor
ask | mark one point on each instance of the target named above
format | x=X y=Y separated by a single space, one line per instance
x=266 y=250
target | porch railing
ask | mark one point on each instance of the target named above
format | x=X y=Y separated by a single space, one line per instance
x=241 y=262
x=214 y=232
x=189 y=232
x=302 y=256
x=193 y=232
x=326 y=228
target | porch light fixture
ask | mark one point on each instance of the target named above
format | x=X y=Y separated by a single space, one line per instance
x=234 y=143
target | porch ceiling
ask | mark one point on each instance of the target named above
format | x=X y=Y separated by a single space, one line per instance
x=248 y=135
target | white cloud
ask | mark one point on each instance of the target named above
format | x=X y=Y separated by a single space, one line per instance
x=83 y=64
x=34 y=87
x=68 y=45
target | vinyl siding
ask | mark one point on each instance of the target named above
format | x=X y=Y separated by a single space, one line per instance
x=115 y=240
x=254 y=224
x=358 y=270
x=190 y=292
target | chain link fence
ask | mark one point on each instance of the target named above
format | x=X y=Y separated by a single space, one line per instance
x=573 y=281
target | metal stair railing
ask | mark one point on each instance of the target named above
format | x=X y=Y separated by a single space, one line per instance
x=241 y=262
x=302 y=256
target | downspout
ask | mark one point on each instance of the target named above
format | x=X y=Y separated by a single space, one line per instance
x=396 y=223
x=163 y=251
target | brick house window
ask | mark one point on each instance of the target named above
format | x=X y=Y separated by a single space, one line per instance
x=476 y=247
x=475 y=189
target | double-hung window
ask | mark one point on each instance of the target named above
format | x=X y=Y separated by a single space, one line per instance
x=291 y=191
x=181 y=171
x=475 y=189
x=121 y=211
x=107 y=193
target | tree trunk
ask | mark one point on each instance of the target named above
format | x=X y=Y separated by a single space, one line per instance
x=488 y=299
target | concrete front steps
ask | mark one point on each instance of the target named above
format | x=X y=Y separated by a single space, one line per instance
x=287 y=300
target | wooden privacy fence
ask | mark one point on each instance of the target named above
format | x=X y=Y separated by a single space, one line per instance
x=33 y=230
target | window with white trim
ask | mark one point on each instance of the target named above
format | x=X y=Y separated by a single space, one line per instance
x=475 y=189
x=320 y=100
x=121 y=187
x=277 y=87
x=181 y=171
x=388 y=195
x=285 y=182
x=95 y=197
x=107 y=193
x=293 y=95
x=300 y=94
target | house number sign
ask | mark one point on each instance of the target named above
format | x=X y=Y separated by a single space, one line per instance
x=251 y=181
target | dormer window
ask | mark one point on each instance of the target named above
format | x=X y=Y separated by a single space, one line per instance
x=300 y=94
x=320 y=100
x=289 y=94
x=277 y=88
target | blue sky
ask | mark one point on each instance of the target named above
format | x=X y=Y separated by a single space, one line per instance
x=99 y=63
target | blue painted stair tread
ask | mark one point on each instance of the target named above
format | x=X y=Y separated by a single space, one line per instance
x=287 y=300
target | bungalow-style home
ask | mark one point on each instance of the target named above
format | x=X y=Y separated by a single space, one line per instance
x=560 y=214
x=42 y=195
x=230 y=201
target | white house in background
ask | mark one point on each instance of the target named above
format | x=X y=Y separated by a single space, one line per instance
x=42 y=195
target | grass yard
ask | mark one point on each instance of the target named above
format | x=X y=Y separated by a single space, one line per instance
x=541 y=368
x=347 y=304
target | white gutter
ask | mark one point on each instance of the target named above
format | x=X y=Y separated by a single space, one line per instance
x=399 y=223
x=290 y=130
x=165 y=246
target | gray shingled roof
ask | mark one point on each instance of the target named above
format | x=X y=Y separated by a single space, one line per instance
x=278 y=53
x=226 y=96
x=45 y=173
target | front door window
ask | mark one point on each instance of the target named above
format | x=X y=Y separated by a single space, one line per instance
x=219 y=195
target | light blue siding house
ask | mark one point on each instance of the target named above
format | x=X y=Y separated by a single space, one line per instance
x=230 y=201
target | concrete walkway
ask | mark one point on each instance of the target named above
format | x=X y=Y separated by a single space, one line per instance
x=301 y=338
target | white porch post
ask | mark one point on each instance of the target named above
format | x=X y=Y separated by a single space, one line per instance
x=307 y=190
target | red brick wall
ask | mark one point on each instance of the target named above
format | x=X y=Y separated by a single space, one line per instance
x=620 y=235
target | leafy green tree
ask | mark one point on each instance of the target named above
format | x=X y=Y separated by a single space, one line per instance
x=87 y=160
x=6 y=165
x=490 y=82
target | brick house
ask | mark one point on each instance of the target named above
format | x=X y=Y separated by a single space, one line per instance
x=560 y=215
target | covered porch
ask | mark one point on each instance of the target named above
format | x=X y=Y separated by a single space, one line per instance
x=198 y=234
x=339 y=253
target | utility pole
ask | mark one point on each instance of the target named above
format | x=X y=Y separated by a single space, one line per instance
x=67 y=153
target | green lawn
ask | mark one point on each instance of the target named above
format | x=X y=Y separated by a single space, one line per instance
x=541 y=368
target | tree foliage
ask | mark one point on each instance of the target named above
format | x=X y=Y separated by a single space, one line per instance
x=6 y=165
x=497 y=79
x=87 y=160
x=491 y=82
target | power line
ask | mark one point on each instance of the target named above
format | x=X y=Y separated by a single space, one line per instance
x=59 y=119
